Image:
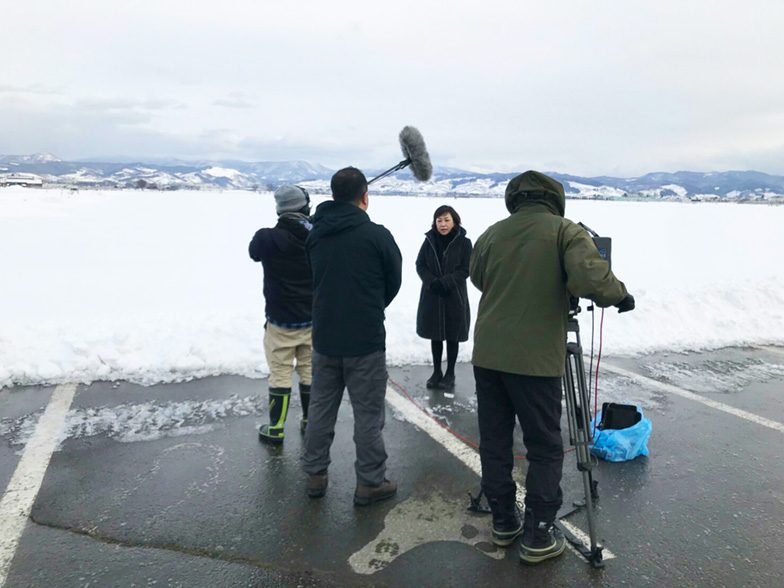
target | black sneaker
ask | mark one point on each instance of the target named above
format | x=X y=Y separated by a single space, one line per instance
x=506 y=521
x=544 y=543
x=505 y=532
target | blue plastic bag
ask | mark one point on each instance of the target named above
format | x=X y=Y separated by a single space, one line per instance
x=621 y=444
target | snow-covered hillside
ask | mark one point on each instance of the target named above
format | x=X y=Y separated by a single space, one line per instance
x=745 y=186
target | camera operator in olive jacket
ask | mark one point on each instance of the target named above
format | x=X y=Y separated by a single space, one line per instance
x=527 y=267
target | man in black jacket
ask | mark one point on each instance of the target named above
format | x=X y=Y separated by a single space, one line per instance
x=356 y=268
x=288 y=293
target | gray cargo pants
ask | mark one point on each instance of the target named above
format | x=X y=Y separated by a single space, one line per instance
x=365 y=377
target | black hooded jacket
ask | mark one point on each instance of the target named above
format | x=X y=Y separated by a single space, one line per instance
x=356 y=268
x=288 y=285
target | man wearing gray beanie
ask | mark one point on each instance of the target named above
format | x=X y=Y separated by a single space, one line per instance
x=291 y=199
x=288 y=294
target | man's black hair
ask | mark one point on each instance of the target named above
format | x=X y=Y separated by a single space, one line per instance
x=442 y=210
x=348 y=185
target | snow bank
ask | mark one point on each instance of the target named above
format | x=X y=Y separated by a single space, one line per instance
x=158 y=287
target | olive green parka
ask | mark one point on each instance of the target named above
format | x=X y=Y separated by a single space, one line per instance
x=526 y=267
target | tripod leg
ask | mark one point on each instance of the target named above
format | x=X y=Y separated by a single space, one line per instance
x=579 y=415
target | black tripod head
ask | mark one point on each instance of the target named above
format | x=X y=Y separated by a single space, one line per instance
x=574 y=306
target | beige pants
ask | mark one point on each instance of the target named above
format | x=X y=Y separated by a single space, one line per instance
x=282 y=347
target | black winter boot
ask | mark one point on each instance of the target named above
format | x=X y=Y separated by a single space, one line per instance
x=434 y=380
x=437 y=349
x=541 y=540
x=304 y=398
x=447 y=382
x=278 y=409
x=506 y=520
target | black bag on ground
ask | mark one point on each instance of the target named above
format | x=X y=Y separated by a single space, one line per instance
x=618 y=416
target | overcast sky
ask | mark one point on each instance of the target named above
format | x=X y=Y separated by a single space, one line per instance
x=599 y=87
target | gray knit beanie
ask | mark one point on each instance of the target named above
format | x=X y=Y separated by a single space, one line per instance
x=290 y=199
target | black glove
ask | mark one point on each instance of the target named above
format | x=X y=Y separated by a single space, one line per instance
x=626 y=304
x=445 y=286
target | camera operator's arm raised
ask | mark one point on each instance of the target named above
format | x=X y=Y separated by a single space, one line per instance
x=587 y=274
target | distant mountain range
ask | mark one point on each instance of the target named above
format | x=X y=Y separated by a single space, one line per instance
x=746 y=186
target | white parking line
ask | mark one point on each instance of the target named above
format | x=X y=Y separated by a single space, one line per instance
x=645 y=381
x=17 y=502
x=465 y=453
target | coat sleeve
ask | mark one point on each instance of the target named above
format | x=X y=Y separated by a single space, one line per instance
x=476 y=265
x=393 y=267
x=460 y=274
x=422 y=268
x=587 y=274
x=308 y=244
x=256 y=247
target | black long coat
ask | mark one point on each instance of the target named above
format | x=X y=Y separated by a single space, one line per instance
x=444 y=315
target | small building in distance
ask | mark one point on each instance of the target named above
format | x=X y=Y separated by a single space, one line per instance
x=21 y=179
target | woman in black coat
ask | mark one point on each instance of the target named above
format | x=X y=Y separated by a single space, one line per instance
x=443 y=313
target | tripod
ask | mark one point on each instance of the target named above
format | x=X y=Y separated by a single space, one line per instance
x=578 y=412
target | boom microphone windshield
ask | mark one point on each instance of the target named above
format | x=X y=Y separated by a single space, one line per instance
x=412 y=144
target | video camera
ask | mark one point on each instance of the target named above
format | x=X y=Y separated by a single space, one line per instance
x=603 y=244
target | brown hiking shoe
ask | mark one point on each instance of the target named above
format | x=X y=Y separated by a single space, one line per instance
x=317 y=485
x=365 y=495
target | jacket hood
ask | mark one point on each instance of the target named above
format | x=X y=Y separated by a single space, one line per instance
x=295 y=228
x=535 y=187
x=335 y=217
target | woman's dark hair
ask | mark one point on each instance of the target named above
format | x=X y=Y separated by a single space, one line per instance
x=441 y=210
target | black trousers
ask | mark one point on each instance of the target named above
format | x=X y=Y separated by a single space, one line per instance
x=536 y=402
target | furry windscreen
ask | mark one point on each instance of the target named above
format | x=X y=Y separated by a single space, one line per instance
x=413 y=146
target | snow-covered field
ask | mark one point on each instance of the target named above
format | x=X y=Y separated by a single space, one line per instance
x=157 y=286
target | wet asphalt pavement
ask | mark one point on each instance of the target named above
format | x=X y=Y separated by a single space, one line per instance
x=168 y=486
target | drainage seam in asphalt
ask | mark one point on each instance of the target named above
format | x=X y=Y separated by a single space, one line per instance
x=189 y=551
x=644 y=380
